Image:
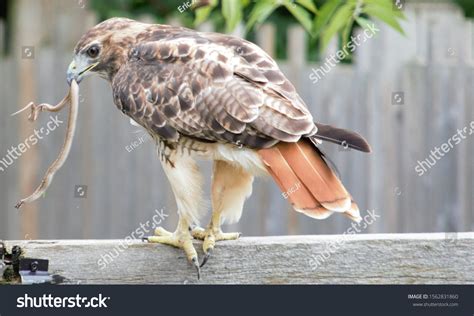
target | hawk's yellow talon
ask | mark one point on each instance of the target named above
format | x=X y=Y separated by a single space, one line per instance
x=210 y=236
x=185 y=243
x=181 y=238
x=160 y=231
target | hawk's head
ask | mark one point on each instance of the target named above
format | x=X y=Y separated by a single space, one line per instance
x=104 y=48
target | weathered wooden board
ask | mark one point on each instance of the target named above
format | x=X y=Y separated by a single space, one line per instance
x=437 y=258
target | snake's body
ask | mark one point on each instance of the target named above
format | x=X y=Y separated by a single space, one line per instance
x=71 y=98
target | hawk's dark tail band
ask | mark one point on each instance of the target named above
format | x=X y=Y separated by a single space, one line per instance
x=341 y=137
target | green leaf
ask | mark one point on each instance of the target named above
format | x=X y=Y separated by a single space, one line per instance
x=364 y=23
x=340 y=19
x=232 y=12
x=245 y=3
x=384 y=15
x=300 y=14
x=324 y=16
x=308 y=4
x=260 y=12
x=202 y=14
x=347 y=31
x=387 y=5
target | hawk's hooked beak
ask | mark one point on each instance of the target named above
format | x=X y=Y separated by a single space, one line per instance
x=78 y=69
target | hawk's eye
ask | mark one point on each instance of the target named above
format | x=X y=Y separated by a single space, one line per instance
x=93 y=51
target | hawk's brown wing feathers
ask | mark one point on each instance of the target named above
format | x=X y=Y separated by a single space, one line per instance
x=211 y=87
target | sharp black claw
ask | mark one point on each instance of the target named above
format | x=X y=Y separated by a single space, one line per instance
x=145 y=239
x=206 y=257
x=196 y=265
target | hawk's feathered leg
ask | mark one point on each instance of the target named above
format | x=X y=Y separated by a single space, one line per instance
x=231 y=186
x=186 y=183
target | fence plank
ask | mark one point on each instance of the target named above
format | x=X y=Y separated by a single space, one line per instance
x=358 y=259
x=266 y=38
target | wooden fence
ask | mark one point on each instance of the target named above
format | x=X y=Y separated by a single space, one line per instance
x=405 y=94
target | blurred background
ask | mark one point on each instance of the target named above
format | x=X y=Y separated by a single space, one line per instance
x=405 y=93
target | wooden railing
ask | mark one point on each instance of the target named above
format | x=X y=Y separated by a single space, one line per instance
x=439 y=258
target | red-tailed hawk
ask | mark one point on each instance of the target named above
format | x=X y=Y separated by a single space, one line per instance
x=218 y=97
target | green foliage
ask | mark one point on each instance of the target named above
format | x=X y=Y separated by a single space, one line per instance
x=323 y=20
x=232 y=12
x=468 y=7
x=202 y=14
x=341 y=18
x=260 y=12
x=334 y=17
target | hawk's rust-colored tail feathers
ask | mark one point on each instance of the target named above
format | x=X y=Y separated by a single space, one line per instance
x=307 y=181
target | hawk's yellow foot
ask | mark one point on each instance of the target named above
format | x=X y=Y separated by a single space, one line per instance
x=181 y=238
x=210 y=236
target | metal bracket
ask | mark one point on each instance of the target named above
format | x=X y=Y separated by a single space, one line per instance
x=34 y=271
x=30 y=270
